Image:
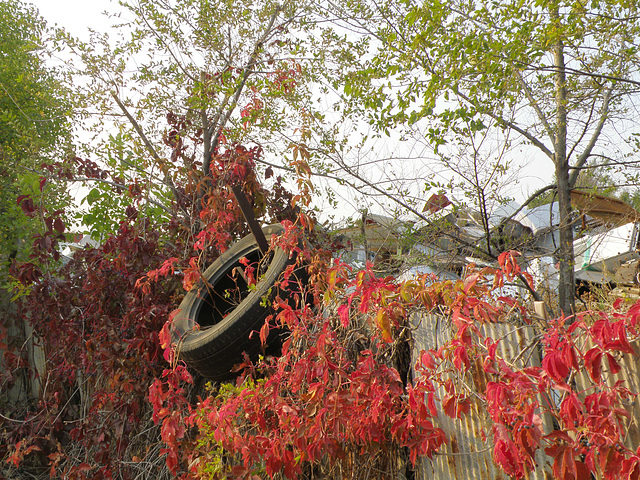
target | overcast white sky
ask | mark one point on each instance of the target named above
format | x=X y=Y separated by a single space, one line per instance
x=77 y=16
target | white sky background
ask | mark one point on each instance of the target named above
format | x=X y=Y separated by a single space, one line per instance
x=78 y=16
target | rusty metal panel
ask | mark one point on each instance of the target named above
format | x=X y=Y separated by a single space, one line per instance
x=466 y=455
x=611 y=211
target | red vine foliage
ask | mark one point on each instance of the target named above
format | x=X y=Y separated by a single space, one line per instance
x=336 y=395
x=96 y=321
x=102 y=351
x=353 y=393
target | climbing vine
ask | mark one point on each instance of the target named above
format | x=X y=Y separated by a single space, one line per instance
x=95 y=316
x=335 y=400
x=353 y=394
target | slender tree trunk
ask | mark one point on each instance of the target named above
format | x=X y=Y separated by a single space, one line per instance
x=566 y=290
x=206 y=133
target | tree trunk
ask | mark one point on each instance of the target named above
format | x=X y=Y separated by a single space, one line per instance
x=28 y=385
x=566 y=290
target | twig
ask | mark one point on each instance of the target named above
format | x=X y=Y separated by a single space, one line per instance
x=13 y=419
x=149 y=146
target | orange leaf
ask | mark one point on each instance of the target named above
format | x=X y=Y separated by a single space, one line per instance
x=384 y=323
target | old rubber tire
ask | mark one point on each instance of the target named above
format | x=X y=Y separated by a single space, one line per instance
x=211 y=331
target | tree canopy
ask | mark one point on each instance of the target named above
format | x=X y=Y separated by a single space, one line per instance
x=34 y=108
x=557 y=76
x=35 y=115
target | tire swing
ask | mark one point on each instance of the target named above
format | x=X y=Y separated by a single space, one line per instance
x=212 y=327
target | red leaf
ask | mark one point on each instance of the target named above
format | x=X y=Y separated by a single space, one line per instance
x=172 y=460
x=471 y=281
x=431 y=404
x=508 y=263
x=631 y=468
x=492 y=347
x=569 y=355
x=264 y=333
x=239 y=470
x=611 y=462
x=58 y=225
x=571 y=410
x=593 y=363
x=553 y=364
x=16 y=457
x=455 y=406
x=461 y=358
x=487 y=365
x=582 y=471
x=568 y=466
x=27 y=206
x=564 y=464
x=464 y=407
x=505 y=453
x=427 y=360
x=622 y=344
x=449 y=406
x=191 y=274
x=165 y=335
x=343 y=311
x=614 y=366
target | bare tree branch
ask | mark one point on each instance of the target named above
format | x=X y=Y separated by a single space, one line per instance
x=534 y=104
x=219 y=125
x=167 y=180
x=507 y=123
x=160 y=39
x=609 y=163
x=594 y=138
x=115 y=185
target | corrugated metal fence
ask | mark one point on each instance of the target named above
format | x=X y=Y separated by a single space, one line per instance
x=466 y=455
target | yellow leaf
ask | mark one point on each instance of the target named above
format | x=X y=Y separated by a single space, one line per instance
x=384 y=324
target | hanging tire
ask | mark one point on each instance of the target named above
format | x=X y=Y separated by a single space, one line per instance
x=215 y=321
